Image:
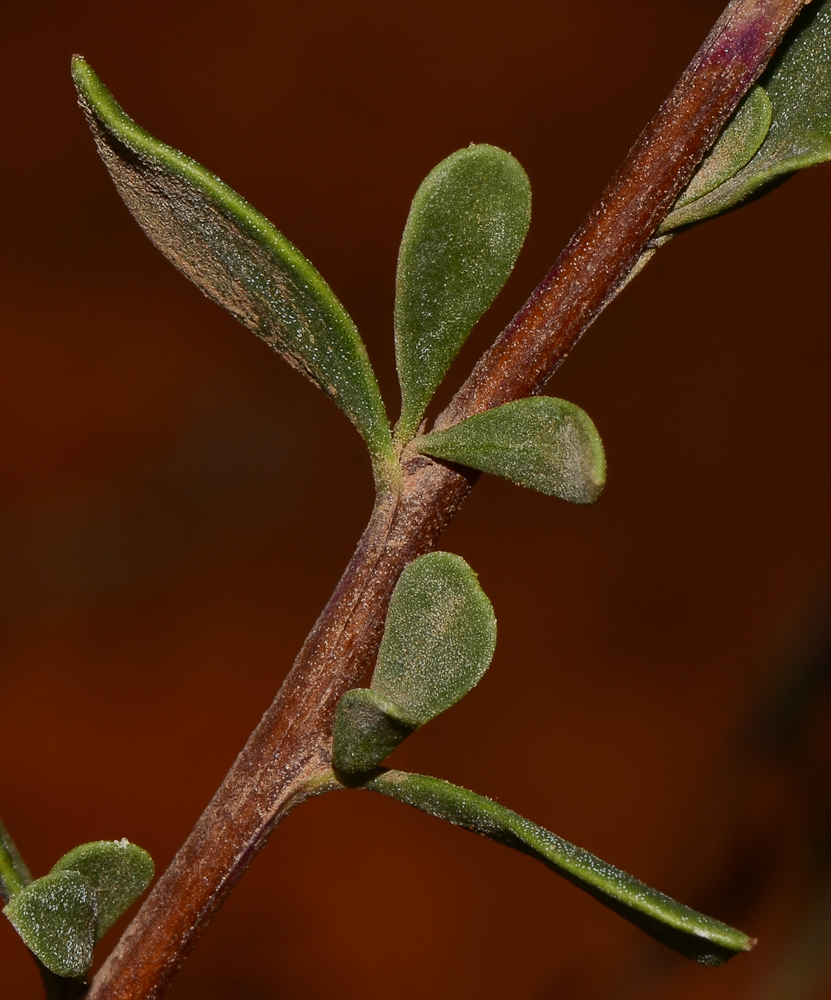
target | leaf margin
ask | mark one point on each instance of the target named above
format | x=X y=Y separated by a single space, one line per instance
x=108 y=120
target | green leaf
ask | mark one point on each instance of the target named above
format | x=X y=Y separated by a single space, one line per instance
x=438 y=641
x=741 y=138
x=693 y=934
x=56 y=915
x=14 y=874
x=439 y=638
x=465 y=229
x=64 y=914
x=543 y=443
x=797 y=83
x=366 y=730
x=238 y=259
x=118 y=873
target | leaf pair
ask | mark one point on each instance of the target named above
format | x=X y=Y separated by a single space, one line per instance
x=783 y=125
x=439 y=639
x=465 y=229
x=62 y=916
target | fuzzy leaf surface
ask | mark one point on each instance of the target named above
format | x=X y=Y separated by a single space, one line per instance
x=237 y=258
x=118 y=873
x=438 y=641
x=56 y=916
x=466 y=226
x=366 y=731
x=693 y=934
x=545 y=444
x=797 y=83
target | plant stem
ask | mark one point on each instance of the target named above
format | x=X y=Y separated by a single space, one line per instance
x=284 y=760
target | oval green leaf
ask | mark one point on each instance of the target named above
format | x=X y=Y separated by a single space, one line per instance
x=465 y=229
x=797 y=83
x=687 y=931
x=238 y=259
x=439 y=638
x=366 y=731
x=545 y=444
x=118 y=873
x=56 y=915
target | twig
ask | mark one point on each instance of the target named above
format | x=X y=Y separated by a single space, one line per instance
x=284 y=760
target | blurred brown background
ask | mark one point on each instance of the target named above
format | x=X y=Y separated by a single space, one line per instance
x=177 y=505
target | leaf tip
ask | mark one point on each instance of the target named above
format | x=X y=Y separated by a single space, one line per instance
x=82 y=74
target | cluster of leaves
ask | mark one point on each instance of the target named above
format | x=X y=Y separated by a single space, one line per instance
x=466 y=226
x=64 y=914
x=438 y=641
x=783 y=125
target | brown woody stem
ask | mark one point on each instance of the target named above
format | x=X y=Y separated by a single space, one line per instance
x=285 y=759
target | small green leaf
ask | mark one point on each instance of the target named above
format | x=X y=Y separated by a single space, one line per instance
x=118 y=873
x=438 y=641
x=465 y=229
x=543 y=443
x=238 y=259
x=55 y=915
x=64 y=914
x=366 y=730
x=797 y=83
x=693 y=934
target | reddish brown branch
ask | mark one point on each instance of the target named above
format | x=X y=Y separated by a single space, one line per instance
x=291 y=744
x=598 y=259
